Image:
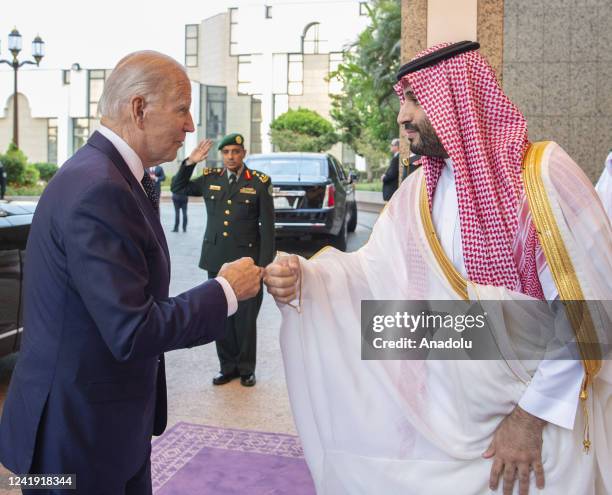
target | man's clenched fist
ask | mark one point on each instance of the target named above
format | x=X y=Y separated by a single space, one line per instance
x=282 y=277
x=244 y=276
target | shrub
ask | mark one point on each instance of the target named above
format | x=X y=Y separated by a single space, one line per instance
x=31 y=175
x=14 y=162
x=46 y=170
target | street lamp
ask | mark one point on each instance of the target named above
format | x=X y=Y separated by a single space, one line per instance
x=38 y=52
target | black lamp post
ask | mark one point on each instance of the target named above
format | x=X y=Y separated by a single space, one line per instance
x=38 y=52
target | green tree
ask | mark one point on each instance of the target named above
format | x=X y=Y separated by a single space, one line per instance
x=302 y=130
x=365 y=113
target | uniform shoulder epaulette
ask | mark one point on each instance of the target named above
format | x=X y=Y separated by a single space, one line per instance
x=262 y=177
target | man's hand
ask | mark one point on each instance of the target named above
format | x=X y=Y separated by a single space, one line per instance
x=200 y=152
x=517 y=446
x=244 y=277
x=282 y=277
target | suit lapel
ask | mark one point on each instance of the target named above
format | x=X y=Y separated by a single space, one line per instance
x=99 y=142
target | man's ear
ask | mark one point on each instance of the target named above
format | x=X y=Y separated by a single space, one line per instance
x=137 y=110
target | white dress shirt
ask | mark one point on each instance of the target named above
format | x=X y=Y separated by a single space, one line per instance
x=553 y=392
x=137 y=168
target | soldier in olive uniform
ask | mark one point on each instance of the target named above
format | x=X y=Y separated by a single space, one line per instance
x=240 y=212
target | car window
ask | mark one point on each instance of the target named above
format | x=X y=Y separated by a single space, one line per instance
x=332 y=172
x=298 y=166
x=341 y=171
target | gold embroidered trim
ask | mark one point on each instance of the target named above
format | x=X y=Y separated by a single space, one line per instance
x=563 y=272
x=455 y=279
x=561 y=267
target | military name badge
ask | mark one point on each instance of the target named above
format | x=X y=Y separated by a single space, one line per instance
x=214 y=187
x=248 y=190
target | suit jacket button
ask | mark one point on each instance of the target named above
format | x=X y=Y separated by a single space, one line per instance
x=225 y=234
x=227 y=212
x=229 y=201
x=250 y=244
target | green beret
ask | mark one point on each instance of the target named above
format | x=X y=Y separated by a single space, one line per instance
x=233 y=138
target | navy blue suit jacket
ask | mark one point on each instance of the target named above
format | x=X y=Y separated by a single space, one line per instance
x=88 y=390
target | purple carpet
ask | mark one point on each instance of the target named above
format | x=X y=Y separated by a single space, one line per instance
x=198 y=459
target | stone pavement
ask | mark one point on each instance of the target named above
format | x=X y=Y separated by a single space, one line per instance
x=191 y=395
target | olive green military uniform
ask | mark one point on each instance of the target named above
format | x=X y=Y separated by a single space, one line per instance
x=240 y=222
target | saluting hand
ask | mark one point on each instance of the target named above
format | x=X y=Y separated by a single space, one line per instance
x=200 y=152
x=244 y=277
x=282 y=278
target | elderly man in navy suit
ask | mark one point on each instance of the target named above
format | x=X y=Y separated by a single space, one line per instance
x=89 y=389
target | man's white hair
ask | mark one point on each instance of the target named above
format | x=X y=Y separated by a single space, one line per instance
x=144 y=73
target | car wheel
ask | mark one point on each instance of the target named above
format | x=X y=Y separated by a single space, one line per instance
x=352 y=224
x=339 y=241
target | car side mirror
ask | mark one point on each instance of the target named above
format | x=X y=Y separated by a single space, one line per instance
x=352 y=177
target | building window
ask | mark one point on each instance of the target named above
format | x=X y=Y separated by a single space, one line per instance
x=52 y=140
x=216 y=104
x=268 y=12
x=335 y=83
x=233 y=15
x=94 y=90
x=65 y=77
x=80 y=132
x=310 y=38
x=191 y=45
x=256 y=121
x=295 y=74
x=363 y=8
x=245 y=74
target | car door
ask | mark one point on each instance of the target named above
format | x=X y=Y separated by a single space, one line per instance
x=10 y=288
x=336 y=174
x=15 y=223
x=349 y=187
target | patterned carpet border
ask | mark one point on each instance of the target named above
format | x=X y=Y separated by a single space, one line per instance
x=178 y=445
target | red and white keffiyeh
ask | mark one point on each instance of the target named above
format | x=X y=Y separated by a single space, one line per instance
x=485 y=135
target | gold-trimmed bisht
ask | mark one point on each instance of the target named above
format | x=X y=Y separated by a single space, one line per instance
x=563 y=272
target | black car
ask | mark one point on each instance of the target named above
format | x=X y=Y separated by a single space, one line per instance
x=15 y=220
x=313 y=195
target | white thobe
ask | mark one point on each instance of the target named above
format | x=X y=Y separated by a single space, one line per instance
x=553 y=392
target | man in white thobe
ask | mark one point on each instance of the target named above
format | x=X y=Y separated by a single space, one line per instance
x=432 y=427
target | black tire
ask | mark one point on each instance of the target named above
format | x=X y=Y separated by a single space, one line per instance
x=339 y=241
x=352 y=224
